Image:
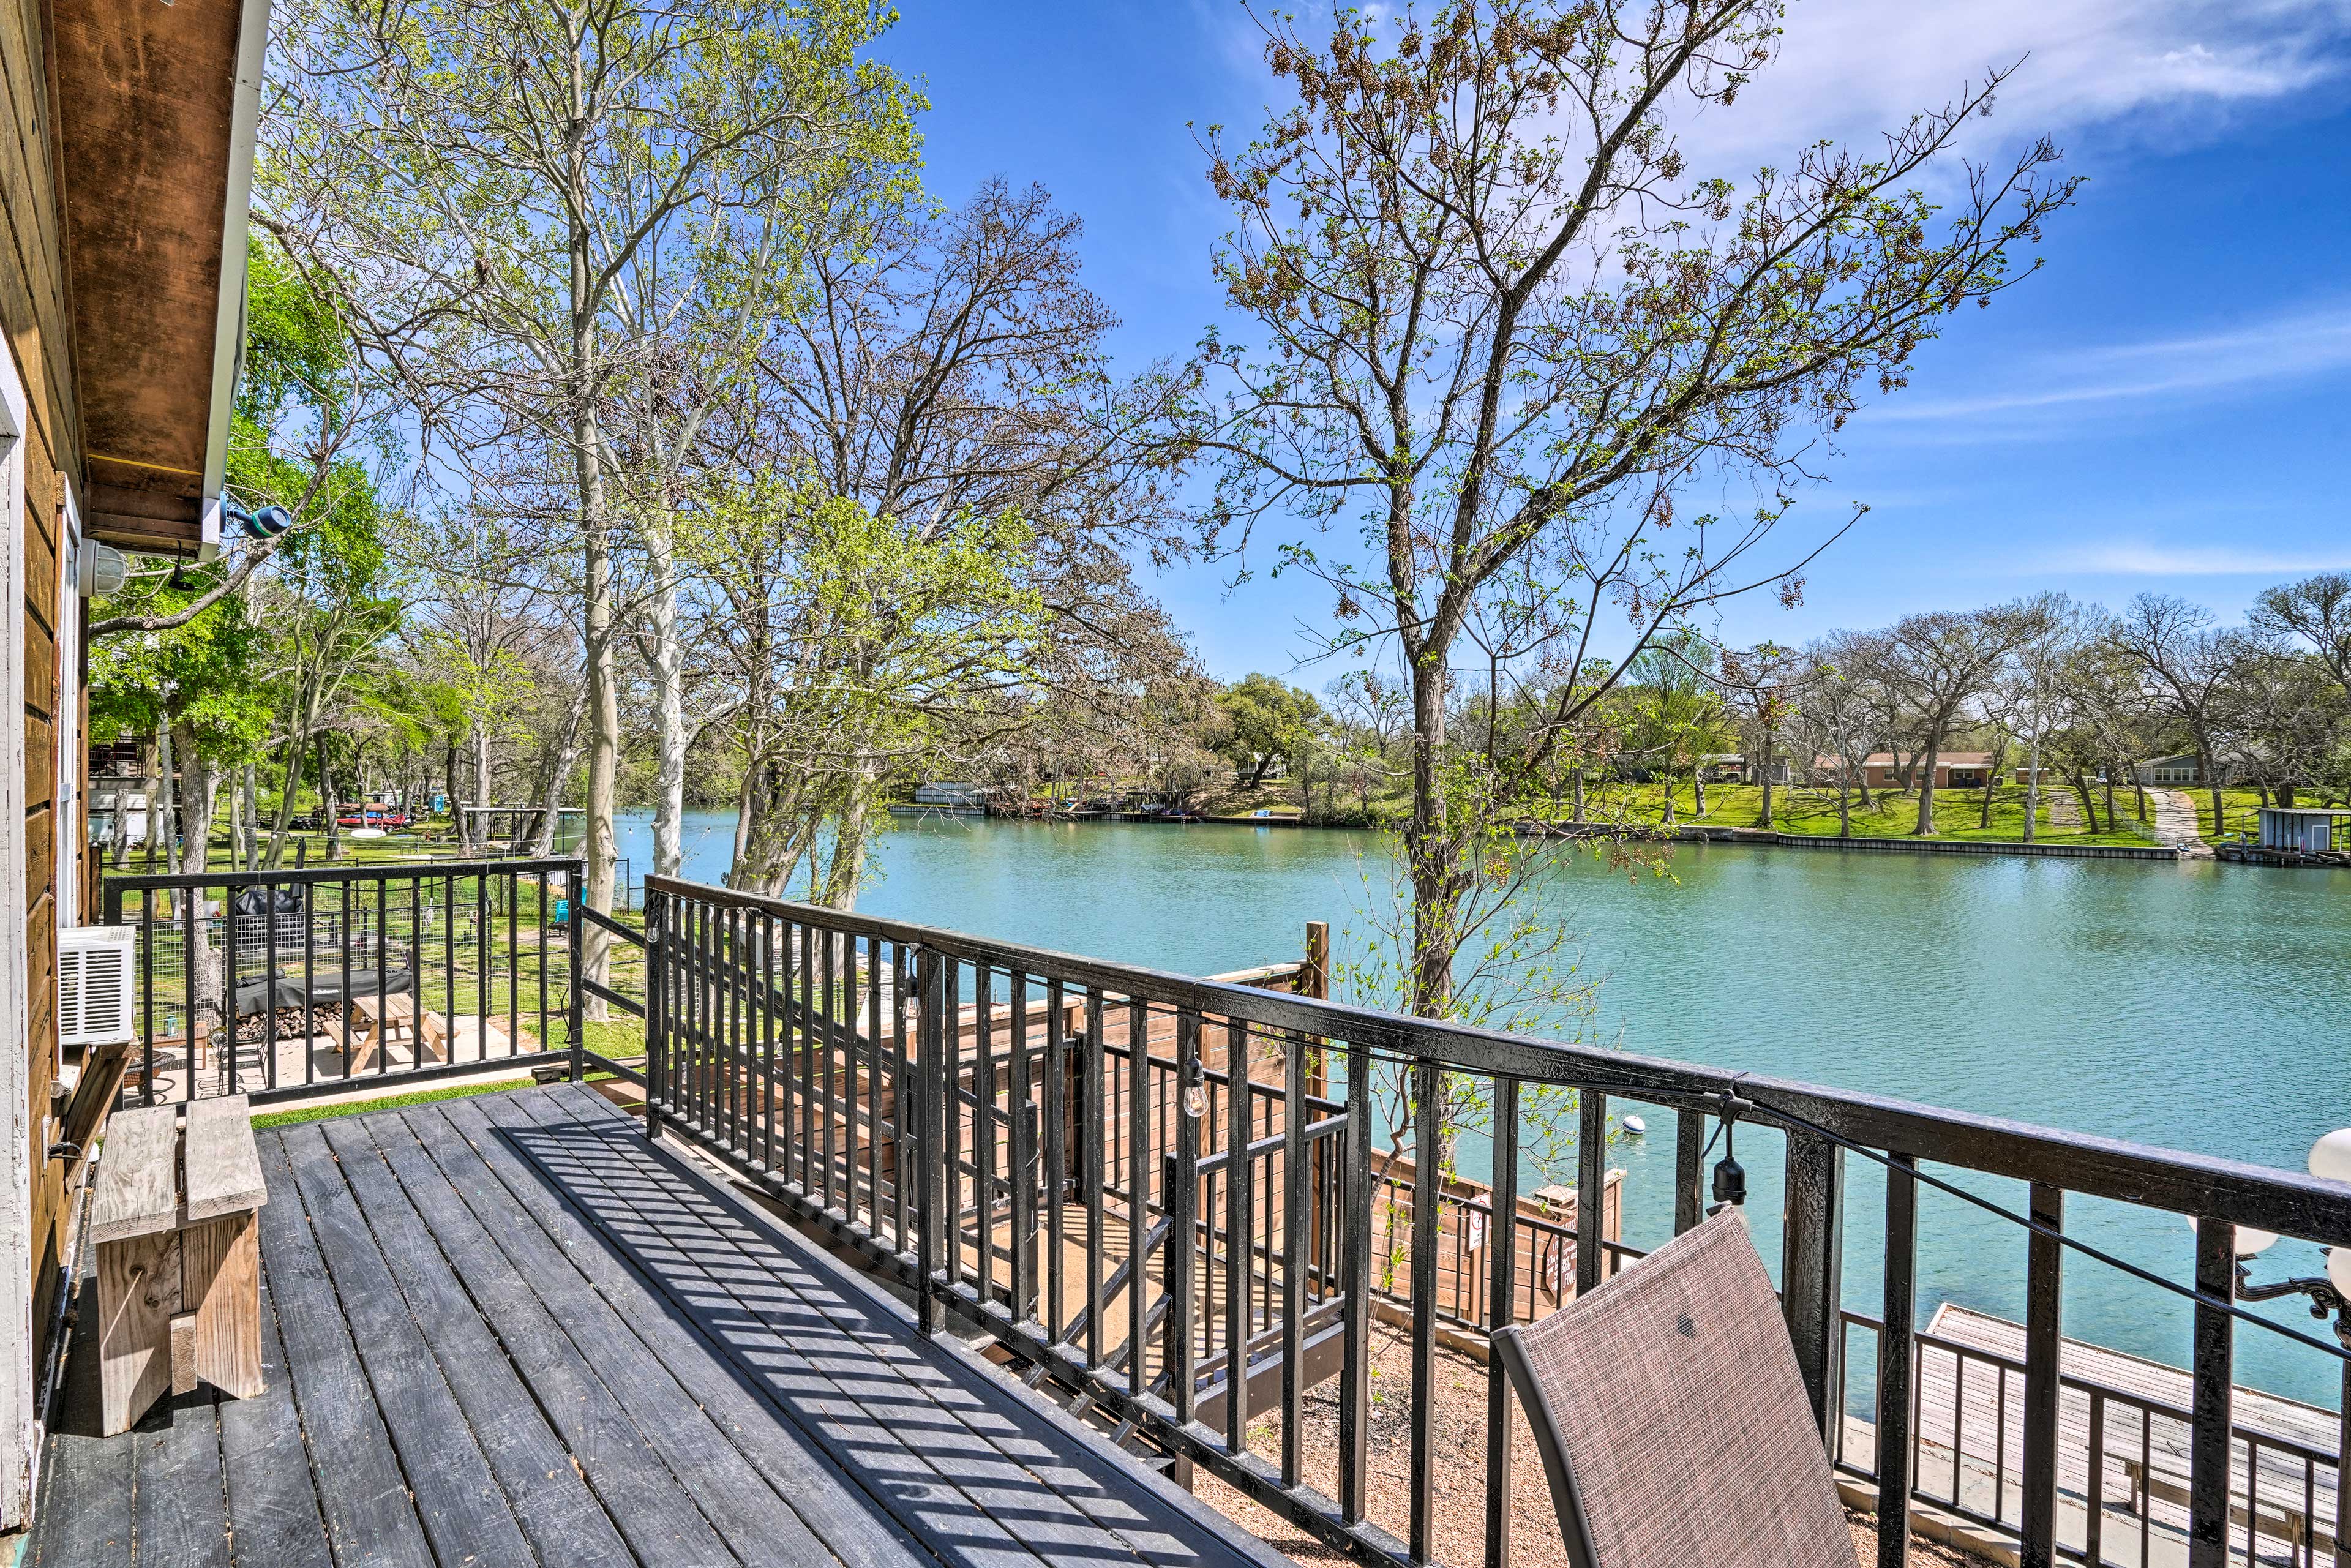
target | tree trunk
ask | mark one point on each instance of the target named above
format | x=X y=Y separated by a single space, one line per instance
x=1845 y=808
x=1698 y=790
x=567 y=757
x=1579 y=796
x=161 y=829
x=2109 y=782
x=120 y=854
x=1429 y=852
x=2089 y=801
x=1927 y=787
x=669 y=701
x=330 y=818
x=199 y=794
x=2033 y=794
x=1768 y=749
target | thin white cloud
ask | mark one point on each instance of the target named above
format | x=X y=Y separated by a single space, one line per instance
x=2130 y=559
x=2295 y=346
x=2160 y=71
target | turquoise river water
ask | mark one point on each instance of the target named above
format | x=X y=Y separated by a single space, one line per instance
x=2195 y=1005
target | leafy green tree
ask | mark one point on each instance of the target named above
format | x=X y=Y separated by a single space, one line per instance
x=1269 y=723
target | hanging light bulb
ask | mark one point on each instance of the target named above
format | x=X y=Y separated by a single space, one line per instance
x=2250 y=1240
x=2330 y=1157
x=1196 y=1098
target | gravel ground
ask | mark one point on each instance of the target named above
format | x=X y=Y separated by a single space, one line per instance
x=1457 y=1429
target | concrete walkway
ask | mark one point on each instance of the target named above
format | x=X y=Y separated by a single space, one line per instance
x=2175 y=821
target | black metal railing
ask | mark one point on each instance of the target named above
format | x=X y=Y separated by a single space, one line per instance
x=282 y=983
x=1021 y=1136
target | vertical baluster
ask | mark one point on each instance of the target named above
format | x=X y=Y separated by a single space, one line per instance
x=1096 y=1161
x=1057 y=1156
x=1138 y=1185
x=1426 y=1193
x=1295 y=1223
x=790 y=1031
x=828 y=1063
x=770 y=998
x=952 y=1101
x=930 y=1027
x=1896 y=1344
x=484 y=986
x=1023 y=1161
x=270 y=989
x=1504 y=1245
x=1240 y=1247
x=448 y=964
x=147 y=1003
x=1591 y=1188
x=343 y=971
x=983 y=1125
x=657 y=1004
x=2342 y=1475
x=2213 y=1371
x=1810 y=1265
x=513 y=974
x=1178 y=1278
x=1356 y=1274
x=873 y=1089
x=2042 y=1332
x=228 y=987
x=2093 y=1517
x=902 y=1090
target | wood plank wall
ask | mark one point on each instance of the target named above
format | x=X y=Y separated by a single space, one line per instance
x=35 y=317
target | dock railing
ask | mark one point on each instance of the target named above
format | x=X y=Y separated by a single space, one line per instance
x=285 y=984
x=827 y=1056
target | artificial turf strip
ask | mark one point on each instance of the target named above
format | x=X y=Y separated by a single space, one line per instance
x=393 y=1101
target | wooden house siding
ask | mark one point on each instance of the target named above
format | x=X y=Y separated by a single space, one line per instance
x=35 y=316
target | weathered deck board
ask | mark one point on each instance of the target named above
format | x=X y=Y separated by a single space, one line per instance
x=586 y=1393
x=1000 y=1453
x=510 y=1330
x=551 y=1500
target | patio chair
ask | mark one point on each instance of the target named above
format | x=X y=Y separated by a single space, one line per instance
x=1672 y=1419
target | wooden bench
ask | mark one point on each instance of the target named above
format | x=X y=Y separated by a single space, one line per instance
x=179 y=1259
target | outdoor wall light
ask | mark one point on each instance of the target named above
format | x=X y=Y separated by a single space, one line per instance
x=2330 y=1160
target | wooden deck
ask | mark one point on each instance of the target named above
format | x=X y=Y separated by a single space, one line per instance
x=507 y=1330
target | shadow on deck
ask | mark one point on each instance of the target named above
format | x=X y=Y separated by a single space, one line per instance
x=507 y=1330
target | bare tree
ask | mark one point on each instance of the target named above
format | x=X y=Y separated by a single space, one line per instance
x=2316 y=612
x=1504 y=328
x=1941 y=662
x=2185 y=664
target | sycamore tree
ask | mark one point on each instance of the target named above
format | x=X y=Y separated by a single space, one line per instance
x=1500 y=329
x=490 y=179
x=844 y=647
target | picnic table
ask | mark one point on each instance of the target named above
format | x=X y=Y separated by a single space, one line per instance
x=394 y=1020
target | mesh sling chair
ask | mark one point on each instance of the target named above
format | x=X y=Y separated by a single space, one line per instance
x=1672 y=1419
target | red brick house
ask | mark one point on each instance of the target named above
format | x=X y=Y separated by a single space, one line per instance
x=1953 y=769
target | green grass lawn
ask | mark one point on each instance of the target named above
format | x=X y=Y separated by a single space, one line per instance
x=1958 y=813
x=2240 y=807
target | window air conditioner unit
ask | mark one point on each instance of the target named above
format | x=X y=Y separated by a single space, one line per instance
x=94 y=966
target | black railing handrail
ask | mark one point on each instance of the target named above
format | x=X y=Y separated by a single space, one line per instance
x=162 y=882
x=2287 y=1202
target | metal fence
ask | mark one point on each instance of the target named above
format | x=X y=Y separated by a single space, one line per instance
x=281 y=984
x=1020 y=1135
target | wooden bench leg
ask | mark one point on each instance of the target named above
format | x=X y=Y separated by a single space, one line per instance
x=138 y=1296
x=221 y=1290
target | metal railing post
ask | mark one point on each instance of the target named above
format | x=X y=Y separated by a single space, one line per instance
x=575 y=932
x=1812 y=1270
x=657 y=1004
x=930 y=1023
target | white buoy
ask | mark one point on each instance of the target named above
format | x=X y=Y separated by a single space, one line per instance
x=1634 y=1125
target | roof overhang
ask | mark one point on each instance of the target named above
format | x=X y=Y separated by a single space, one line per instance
x=156 y=108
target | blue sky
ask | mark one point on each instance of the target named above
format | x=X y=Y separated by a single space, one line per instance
x=2163 y=408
